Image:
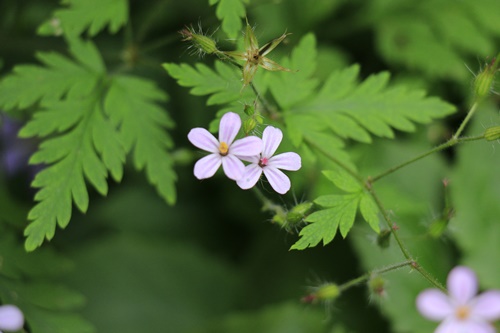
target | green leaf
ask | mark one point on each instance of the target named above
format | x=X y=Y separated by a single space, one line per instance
x=231 y=13
x=60 y=76
x=223 y=84
x=369 y=211
x=353 y=110
x=90 y=15
x=89 y=123
x=324 y=223
x=291 y=88
x=71 y=157
x=343 y=180
x=144 y=132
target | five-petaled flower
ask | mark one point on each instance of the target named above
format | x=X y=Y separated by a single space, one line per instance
x=223 y=151
x=461 y=311
x=255 y=56
x=11 y=318
x=269 y=164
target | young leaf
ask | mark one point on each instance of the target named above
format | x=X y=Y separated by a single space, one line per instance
x=230 y=12
x=90 y=15
x=340 y=211
x=324 y=223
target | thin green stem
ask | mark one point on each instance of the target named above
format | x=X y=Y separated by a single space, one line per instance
x=367 y=276
x=466 y=120
x=387 y=219
x=267 y=204
x=335 y=160
x=450 y=143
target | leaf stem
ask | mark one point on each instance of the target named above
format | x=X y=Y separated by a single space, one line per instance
x=267 y=204
x=394 y=229
x=366 y=276
x=450 y=143
x=466 y=120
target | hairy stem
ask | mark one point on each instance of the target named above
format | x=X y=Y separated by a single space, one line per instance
x=367 y=276
x=368 y=186
x=466 y=120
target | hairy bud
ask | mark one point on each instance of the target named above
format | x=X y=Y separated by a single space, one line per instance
x=492 y=133
x=484 y=80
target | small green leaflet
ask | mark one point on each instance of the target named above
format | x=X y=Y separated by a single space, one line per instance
x=338 y=211
x=88 y=122
x=90 y=15
x=222 y=84
x=230 y=12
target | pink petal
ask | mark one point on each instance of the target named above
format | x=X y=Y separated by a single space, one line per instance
x=462 y=284
x=252 y=159
x=278 y=180
x=464 y=326
x=233 y=167
x=11 y=318
x=487 y=305
x=286 y=161
x=433 y=304
x=249 y=146
x=206 y=167
x=250 y=176
x=229 y=126
x=203 y=139
x=271 y=139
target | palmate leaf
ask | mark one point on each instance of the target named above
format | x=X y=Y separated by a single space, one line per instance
x=338 y=211
x=230 y=12
x=88 y=133
x=90 y=15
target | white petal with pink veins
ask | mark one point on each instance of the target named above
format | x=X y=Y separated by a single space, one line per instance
x=286 y=161
x=229 y=126
x=271 y=139
x=203 y=139
x=207 y=166
x=278 y=180
x=233 y=167
x=250 y=176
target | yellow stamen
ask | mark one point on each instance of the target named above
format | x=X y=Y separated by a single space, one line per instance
x=223 y=148
x=462 y=312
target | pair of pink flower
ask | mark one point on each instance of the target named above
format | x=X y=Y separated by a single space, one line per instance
x=230 y=153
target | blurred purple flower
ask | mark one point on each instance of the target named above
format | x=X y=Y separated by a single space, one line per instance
x=15 y=152
x=269 y=164
x=461 y=311
x=11 y=318
x=223 y=151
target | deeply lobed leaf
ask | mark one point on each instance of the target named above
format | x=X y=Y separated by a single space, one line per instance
x=230 y=12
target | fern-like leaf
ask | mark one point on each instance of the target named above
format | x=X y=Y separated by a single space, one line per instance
x=88 y=128
x=90 y=15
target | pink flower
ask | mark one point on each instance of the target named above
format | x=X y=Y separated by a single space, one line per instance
x=223 y=151
x=461 y=311
x=269 y=164
x=11 y=318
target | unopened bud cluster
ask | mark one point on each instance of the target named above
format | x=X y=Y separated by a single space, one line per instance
x=254 y=119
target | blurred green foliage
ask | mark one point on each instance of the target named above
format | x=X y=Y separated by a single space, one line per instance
x=212 y=262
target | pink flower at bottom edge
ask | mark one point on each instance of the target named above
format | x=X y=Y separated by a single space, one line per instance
x=461 y=311
x=11 y=318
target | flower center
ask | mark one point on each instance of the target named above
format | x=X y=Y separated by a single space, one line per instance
x=263 y=162
x=223 y=148
x=462 y=312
